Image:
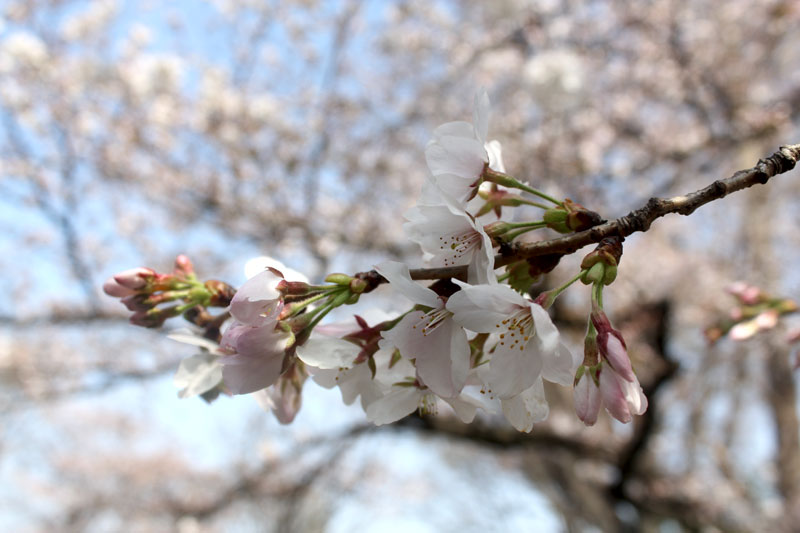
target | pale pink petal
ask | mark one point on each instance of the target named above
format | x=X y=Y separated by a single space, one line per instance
x=546 y=331
x=559 y=365
x=400 y=279
x=482 y=308
x=767 y=319
x=441 y=353
x=134 y=278
x=398 y=403
x=458 y=128
x=617 y=355
x=252 y=374
x=526 y=408
x=112 y=288
x=257 y=298
x=634 y=395
x=743 y=330
x=495 y=153
x=587 y=400
x=464 y=407
x=613 y=396
x=325 y=352
x=513 y=368
x=461 y=156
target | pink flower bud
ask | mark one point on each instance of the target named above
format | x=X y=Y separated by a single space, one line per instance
x=767 y=319
x=613 y=395
x=148 y=319
x=743 y=330
x=135 y=278
x=183 y=265
x=612 y=345
x=587 y=399
x=112 y=288
x=137 y=302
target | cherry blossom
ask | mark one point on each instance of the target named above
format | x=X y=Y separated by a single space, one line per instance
x=528 y=344
x=257 y=351
x=431 y=338
x=450 y=236
x=458 y=153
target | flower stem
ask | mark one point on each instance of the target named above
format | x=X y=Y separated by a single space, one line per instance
x=526 y=227
x=507 y=181
x=546 y=299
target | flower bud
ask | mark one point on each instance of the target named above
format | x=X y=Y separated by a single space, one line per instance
x=339 y=279
x=612 y=346
x=135 y=278
x=221 y=293
x=137 y=302
x=183 y=265
x=358 y=285
x=154 y=318
x=112 y=288
x=586 y=395
x=497 y=229
x=556 y=219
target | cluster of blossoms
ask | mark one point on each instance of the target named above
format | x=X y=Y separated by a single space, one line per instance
x=755 y=311
x=474 y=339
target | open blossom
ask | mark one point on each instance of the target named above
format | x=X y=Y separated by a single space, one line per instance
x=449 y=236
x=201 y=372
x=258 y=300
x=528 y=344
x=458 y=153
x=256 y=355
x=256 y=341
x=436 y=343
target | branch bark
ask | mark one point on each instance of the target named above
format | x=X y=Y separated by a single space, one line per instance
x=638 y=220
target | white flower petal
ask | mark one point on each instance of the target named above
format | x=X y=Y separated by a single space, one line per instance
x=401 y=401
x=482 y=308
x=197 y=374
x=495 y=152
x=560 y=366
x=400 y=278
x=546 y=331
x=527 y=408
x=461 y=156
x=514 y=368
x=458 y=128
x=327 y=353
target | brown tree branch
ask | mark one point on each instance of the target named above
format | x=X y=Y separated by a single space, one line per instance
x=781 y=161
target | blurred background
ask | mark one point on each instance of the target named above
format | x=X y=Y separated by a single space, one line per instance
x=132 y=131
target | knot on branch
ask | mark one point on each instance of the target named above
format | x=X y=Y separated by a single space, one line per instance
x=786 y=157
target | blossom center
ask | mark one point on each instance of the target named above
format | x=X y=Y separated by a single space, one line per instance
x=456 y=245
x=431 y=320
x=519 y=329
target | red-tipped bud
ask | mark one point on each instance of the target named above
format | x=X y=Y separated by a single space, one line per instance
x=135 y=278
x=183 y=265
